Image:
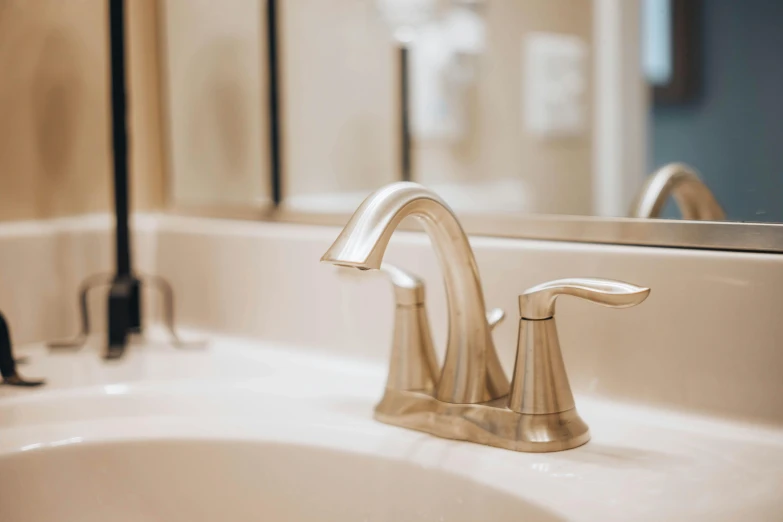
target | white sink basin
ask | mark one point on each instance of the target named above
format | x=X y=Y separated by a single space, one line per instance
x=191 y=481
x=244 y=431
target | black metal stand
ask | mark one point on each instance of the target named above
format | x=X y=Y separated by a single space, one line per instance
x=7 y=361
x=124 y=307
x=124 y=304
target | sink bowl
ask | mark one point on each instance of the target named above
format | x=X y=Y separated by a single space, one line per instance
x=238 y=481
x=247 y=432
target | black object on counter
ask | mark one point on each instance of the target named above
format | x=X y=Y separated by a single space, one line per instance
x=124 y=295
x=7 y=361
x=124 y=303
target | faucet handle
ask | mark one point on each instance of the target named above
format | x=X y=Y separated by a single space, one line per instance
x=538 y=302
x=413 y=365
x=495 y=317
x=540 y=383
x=409 y=290
x=408 y=287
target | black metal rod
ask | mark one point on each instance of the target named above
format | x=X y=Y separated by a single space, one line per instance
x=406 y=148
x=119 y=135
x=275 y=137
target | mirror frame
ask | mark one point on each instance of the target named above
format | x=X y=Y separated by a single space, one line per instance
x=666 y=233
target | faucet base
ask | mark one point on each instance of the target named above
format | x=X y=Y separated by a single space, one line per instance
x=490 y=423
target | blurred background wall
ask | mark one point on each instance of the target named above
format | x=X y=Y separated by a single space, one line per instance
x=733 y=132
x=55 y=142
x=198 y=106
x=498 y=145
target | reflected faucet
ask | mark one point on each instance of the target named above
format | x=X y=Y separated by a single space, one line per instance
x=694 y=199
x=471 y=371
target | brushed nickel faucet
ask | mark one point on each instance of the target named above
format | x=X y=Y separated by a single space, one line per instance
x=694 y=200
x=471 y=371
x=413 y=365
x=471 y=399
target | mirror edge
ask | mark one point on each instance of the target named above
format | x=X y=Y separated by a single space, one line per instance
x=702 y=235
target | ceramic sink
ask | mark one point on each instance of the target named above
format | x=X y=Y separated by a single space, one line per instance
x=242 y=481
x=250 y=431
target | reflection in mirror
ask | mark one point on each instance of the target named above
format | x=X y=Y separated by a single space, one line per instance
x=519 y=130
x=730 y=124
x=694 y=200
x=500 y=106
x=215 y=78
x=499 y=92
x=340 y=138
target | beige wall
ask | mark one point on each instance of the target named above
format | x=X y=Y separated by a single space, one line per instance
x=339 y=98
x=339 y=129
x=340 y=108
x=216 y=115
x=556 y=171
x=55 y=142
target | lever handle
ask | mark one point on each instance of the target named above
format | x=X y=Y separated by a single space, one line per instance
x=413 y=365
x=538 y=302
x=495 y=317
x=408 y=288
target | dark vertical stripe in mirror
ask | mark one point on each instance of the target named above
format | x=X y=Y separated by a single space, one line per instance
x=275 y=138
x=406 y=159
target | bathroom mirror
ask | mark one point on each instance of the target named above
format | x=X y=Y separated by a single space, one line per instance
x=215 y=115
x=531 y=118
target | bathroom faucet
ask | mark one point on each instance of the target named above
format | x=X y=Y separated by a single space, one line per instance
x=413 y=365
x=471 y=399
x=471 y=370
x=694 y=199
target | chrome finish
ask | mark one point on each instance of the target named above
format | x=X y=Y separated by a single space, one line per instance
x=695 y=201
x=471 y=370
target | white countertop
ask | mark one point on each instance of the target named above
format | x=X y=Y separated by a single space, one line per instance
x=641 y=464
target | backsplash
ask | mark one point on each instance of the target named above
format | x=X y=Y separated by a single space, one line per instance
x=709 y=326
x=42 y=264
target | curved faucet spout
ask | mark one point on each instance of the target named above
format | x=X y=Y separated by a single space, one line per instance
x=694 y=199
x=471 y=370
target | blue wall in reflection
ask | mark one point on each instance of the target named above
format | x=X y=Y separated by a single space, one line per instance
x=733 y=133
